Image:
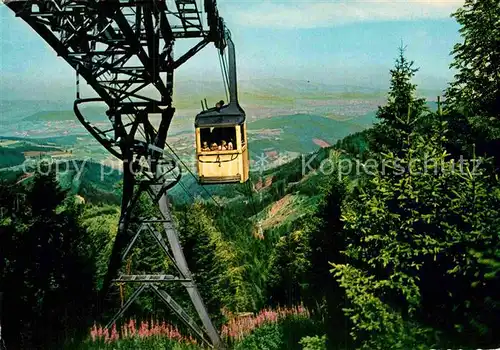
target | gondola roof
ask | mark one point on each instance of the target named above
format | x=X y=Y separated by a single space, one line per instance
x=229 y=115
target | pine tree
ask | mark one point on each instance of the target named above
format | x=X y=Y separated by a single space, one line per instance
x=402 y=98
x=474 y=95
x=327 y=241
x=414 y=234
x=212 y=260
x=476 y=89
x=50 y=276
x=289 y=266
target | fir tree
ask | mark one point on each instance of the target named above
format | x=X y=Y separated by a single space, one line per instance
x=49 y=274
x=474 y=96
x=289 y=266
x=414 y=234
x=387 y=135
x=476 y=88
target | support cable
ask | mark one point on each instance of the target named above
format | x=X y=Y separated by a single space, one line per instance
x=194 y=176
x=142 y=132
x=223 y=77
x=193 y=199
x=225 y=74
x=226 y=69
x=250 y=194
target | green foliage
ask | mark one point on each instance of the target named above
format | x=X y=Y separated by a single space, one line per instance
x=211 y=259
x=45 y=273
x=150 y=343
x=326 y=241
x=289 y=265
x=476 y=88
x=409 y=228
x=101 y=225
x=283 y=335
x=97 y=183
x=375 y=325
x=388 y=134
x=401 y=94
x=473 y=98
x=268 y=337
x=313 y=343
x=10 y=157
x=10 y=176
x=356 y=145
x=421 y=234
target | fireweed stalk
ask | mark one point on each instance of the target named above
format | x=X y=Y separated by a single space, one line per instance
x=131 y=330
x=235 y=329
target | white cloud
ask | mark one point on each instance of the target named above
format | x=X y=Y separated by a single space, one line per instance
x=314 y=14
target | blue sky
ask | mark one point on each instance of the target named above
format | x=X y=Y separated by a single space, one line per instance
x=337 y=42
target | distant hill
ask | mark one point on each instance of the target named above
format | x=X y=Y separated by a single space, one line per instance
x=93 y=113
x=50 y=116
x=12 y=111
x=301 y=133
x=188 y=94
x=67 y=140
x=303 y=87
x=95 y=182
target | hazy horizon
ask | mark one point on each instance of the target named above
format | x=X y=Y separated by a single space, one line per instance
x=340 y=43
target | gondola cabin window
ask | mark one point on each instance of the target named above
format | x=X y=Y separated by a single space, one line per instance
x=218 y=139
x=222 y=154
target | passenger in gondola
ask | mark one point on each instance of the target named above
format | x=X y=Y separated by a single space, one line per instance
x=214 y=147
x=223 y=146
x=230 y=146
x=219 y=104
x=205 y=147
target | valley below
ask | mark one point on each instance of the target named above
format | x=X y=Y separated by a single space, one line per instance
x=283 y=120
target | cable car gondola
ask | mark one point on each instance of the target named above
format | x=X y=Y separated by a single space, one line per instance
x=221 y=141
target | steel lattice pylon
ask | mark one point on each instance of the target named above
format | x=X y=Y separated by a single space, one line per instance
x=124 y=51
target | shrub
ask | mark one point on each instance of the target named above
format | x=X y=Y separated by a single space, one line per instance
x=313 y=343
